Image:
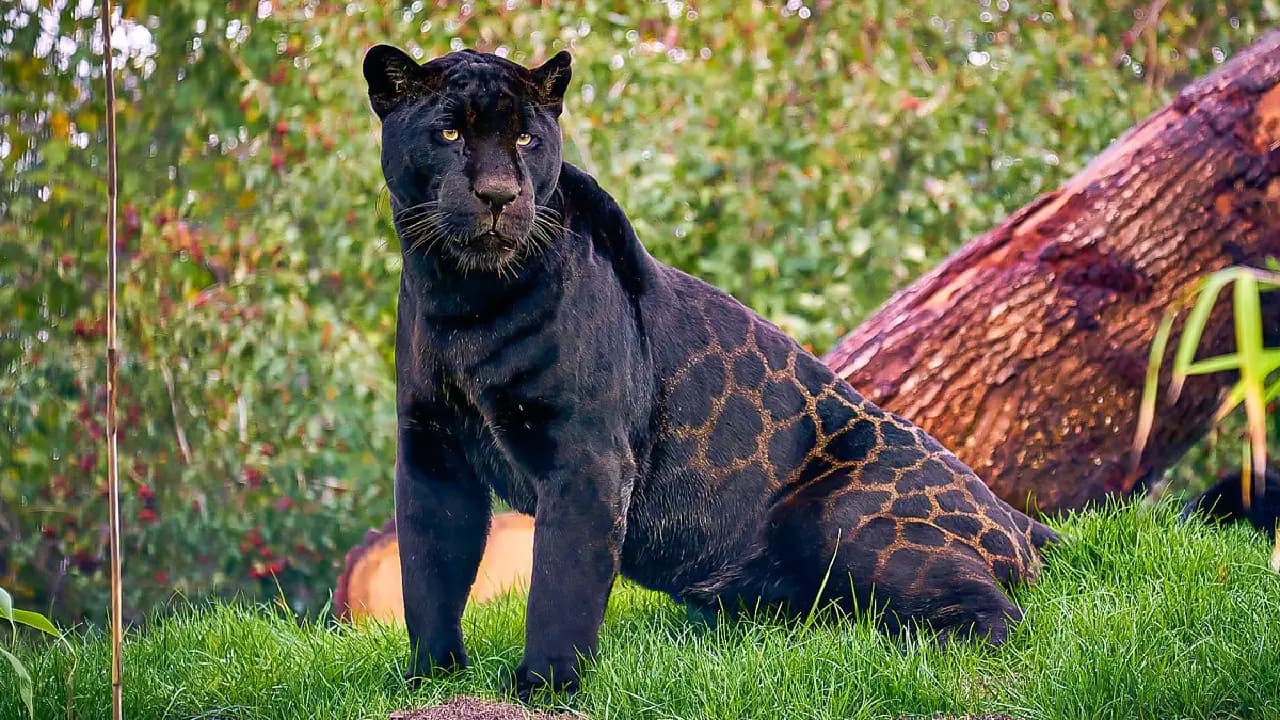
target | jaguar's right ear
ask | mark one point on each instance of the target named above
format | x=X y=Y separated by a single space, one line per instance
x=394 y=77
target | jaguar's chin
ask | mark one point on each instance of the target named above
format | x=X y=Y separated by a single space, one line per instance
x=488 y=251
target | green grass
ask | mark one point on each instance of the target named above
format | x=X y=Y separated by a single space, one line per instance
x=1137 y=616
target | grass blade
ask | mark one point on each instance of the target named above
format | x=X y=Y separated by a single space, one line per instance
x=1194 y=327
x=1248 y=316
x=1217 y=363
x=1147 y=407
x=1246 y=476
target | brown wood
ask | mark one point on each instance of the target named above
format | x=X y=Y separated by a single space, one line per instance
x=369 y=587
x=1026 y=351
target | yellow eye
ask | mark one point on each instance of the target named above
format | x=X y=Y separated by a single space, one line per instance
x=523 y=139
x=449 y=135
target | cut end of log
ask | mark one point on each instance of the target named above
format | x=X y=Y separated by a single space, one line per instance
x=369 y=586
x=1266 y=134
x=364 y=583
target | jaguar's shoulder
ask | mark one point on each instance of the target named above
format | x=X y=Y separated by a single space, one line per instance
x=590 y=212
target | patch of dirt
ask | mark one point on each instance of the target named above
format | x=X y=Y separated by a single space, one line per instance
x=965 y=717
x=469 y=708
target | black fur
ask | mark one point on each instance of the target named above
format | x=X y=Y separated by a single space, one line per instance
x=1224 y=502
x=651 y=424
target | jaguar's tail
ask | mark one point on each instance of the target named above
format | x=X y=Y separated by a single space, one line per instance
x=1224 y=502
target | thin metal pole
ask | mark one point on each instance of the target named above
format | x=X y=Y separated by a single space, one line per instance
x=113 y=477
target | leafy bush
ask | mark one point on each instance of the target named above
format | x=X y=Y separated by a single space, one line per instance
x=809 y=158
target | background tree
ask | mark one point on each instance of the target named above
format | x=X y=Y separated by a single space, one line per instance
x=810 y=158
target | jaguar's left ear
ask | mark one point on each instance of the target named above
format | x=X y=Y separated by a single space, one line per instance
x=551 y=79
x=394 y=76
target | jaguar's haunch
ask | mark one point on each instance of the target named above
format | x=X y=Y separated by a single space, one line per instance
x=652 y=424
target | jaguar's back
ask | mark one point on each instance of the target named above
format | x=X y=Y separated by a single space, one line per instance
x=751 y=426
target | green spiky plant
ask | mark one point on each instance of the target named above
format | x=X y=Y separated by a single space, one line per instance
x=29 y=619
x=1258 y=384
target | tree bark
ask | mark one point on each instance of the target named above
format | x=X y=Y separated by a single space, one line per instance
x=1026 y=351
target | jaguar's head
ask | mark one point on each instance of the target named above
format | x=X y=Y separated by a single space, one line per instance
x=470 y=151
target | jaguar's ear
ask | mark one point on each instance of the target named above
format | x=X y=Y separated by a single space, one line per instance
x=393 y=77
x=551 y=80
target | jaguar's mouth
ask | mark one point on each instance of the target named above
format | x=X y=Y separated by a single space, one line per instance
x=487 y=250
x=492 y=241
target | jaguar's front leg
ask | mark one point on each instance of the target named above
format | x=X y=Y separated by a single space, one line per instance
x=442 y=518
x=578 y=531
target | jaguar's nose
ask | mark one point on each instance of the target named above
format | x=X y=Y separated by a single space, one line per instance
x=497 y=195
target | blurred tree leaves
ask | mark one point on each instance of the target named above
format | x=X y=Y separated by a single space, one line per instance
x=810 y=158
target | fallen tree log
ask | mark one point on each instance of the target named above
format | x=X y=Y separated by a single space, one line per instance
x=369 y=587
x=1026 y=351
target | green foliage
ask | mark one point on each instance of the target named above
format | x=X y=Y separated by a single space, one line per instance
x=809 y=158
x=1255 y=365
x=33 y=620
x=1137 y=616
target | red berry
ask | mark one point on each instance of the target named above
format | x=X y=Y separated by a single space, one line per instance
x=84 y=561
x=132 y=221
